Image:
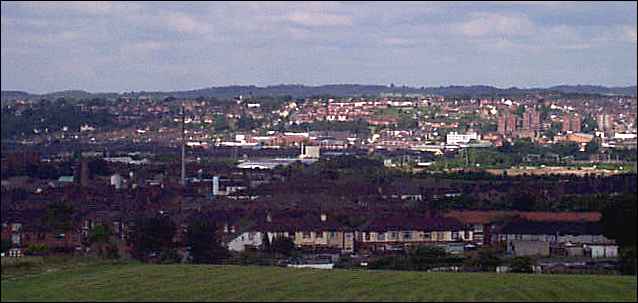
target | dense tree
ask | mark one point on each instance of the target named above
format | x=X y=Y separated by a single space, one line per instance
x=627 y=260
x=6 y=245
x=485 y=259
x=100 y=239
x=152 y=236
x=619 y=219
x=282 y=245
x=521 y=264
x=204 y=245
x=100 y=167
x=59 y=217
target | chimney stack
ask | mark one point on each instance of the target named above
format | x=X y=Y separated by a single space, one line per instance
x=183 y=179
x=84 y=173
x=324 y=217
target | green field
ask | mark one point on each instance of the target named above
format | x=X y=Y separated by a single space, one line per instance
x=200 y=282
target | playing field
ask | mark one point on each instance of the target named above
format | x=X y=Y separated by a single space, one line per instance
x=211 y=283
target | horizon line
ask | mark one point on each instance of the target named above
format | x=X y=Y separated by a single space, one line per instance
x=396 y=86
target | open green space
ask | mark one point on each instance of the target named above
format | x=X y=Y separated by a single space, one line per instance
x=139 y=282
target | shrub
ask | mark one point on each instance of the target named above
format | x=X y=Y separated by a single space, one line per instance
x=521 y=264
x=37 y=250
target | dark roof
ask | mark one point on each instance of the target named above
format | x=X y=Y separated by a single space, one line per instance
x=485 y=217
x=422 y=223
x=291 y=222
x=552 y=228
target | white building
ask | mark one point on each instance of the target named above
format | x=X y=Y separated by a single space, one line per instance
x=246 y=239
x=309 y=152
x=602 y=250
x=456 y=138
x=624 y=136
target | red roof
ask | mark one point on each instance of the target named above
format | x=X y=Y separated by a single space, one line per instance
x=484 y=217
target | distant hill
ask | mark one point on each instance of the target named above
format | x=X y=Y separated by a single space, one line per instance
x=330 y=90
x=595 y=89
x=14 y=95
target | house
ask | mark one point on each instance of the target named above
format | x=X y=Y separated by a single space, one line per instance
x=601 y=250
x=305 y=231
x=484 y=222
x=528 y=248
x=556 y=232
x=25 y=228
x=396 y=233
x=555 y=238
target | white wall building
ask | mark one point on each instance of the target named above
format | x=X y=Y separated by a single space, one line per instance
x=456 y=138
x=245 y=239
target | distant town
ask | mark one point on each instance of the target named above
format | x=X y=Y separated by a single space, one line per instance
x=325 y=181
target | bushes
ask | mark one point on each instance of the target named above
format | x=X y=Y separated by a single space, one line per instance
x=485 y=259
x=37 y=250
x=282 y=245
x=521 y=264
x=6 y=245
x=420 y=258
x=204 y=246
x=169 y=256
x=627 y=261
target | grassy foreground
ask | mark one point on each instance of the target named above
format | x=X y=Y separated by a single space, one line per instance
x=218 y=283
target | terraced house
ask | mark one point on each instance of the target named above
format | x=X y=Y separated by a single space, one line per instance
x=306 y=231
x=396 y=233
x=382 y=234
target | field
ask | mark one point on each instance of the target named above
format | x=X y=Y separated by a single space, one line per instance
x=140 y=282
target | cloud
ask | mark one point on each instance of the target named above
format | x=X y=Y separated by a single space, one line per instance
x=84 y=7
x=319 y=19
x=395 y=41
x=630 y=33
x=185 y=23
x=490 y=24
x=134 y=42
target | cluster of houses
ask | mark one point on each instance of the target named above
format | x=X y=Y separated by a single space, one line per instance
x=518 y=233
x=513 y=233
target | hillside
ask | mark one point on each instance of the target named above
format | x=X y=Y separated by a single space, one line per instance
x=332 y=90
x=214 y=283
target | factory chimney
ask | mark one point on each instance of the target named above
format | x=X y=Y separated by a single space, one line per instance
x=183 y=179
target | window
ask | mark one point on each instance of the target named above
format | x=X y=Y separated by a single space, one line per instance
x=407 y=235
x=381 y=236
x=306 y=235
x=348 y=236
x=333 y=235
x=15 y=239
x=16 y=226
x=319 y=234
x=251 y=236
x=394 y=235
x=455 y=235
x=427 y=236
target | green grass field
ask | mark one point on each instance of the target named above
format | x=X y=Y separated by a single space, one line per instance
x=219 y=283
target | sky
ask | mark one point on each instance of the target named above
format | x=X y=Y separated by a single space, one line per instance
x=163 y=46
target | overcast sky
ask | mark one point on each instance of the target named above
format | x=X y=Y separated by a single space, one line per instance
x=165 y=46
